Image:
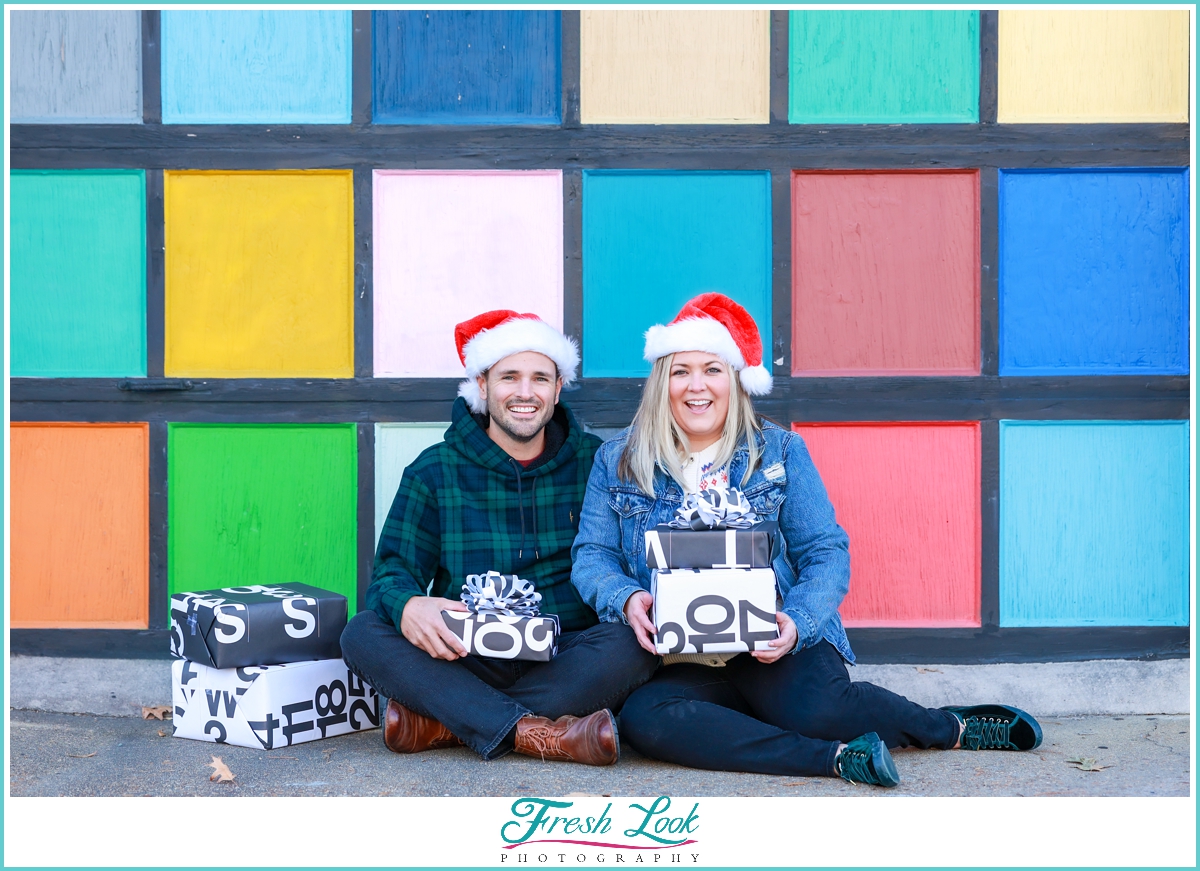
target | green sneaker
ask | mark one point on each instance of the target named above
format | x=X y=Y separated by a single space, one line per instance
x=996 y=727
x=866 y=760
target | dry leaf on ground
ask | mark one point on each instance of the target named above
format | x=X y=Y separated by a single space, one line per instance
x=84 y=756
x=1086 y=763
x=156 y=712
x=162 y=734
x=221 y=772
x=930 y=671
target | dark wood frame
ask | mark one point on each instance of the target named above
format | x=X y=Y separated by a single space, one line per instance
x=778 y=147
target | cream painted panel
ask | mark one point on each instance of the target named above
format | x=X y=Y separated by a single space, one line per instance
x=675 y=67
x=1093 y=66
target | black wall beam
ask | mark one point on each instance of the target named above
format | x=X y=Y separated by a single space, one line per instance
x=151 y=67
x=569 y=24
x=989 y=41
x=605 y=402
x=716 y=146
x=158 y=524
x=155 y=275
x=362 y=69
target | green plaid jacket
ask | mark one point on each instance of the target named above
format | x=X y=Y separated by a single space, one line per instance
x=466 y=507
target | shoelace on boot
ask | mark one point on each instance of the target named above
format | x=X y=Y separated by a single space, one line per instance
x=854 y=766
x=543 y=739
x=987 y=733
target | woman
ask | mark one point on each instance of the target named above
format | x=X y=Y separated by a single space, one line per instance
x=787 y=710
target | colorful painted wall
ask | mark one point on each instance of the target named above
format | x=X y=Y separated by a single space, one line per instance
x=240 y=240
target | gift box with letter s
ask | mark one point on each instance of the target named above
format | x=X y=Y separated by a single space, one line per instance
x=270 y=706
x=714 y=610
x=503 y=619
x=257 y=624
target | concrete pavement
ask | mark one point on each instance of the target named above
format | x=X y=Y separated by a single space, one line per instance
x=76 y=730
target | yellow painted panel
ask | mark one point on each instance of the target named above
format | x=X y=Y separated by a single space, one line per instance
x=675 y=67
x=259 y=274
x=1093 y=66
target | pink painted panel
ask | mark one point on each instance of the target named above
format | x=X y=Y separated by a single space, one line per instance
x=908 y=496
x=449 y=245
x=885 y=273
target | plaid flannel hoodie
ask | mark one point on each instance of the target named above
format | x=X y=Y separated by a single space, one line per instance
x=466 y=507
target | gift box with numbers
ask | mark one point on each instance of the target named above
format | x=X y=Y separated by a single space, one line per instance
x=716 y=529
x=714 y=610
x=270 y=706
x=503 y=620
x=258 y=624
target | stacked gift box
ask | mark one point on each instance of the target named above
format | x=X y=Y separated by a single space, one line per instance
x=261 y=666
x=713 y=586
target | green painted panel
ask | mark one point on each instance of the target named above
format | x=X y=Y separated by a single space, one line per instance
x=78 y=273
x=262 y=504
x=867 y=67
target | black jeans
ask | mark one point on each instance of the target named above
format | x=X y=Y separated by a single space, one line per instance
x=480 y=700
x=785 y=717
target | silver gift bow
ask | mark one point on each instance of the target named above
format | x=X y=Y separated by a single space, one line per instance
x=715 y=508
x=494 y=593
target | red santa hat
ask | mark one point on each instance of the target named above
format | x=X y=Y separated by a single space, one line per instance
x=488 y=338
x=713 y=322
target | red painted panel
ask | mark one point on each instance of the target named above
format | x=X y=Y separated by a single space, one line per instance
x=908 y=496
x=885 y=273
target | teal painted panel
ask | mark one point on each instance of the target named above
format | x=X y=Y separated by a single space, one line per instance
x=78 y=273
x=396 y=446
x=653 y=240
x=1094 y=523
x=277 y=67
x=75 y=67
x=874 y=67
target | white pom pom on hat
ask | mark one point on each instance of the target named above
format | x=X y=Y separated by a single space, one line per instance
x=715 y=323
x=488 y=338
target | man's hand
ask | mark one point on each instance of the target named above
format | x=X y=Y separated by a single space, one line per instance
x=423 y=626
x=781 y=645
x=637 y=613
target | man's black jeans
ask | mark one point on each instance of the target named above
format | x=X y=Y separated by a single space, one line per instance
x=785 y=717
x=480 y=700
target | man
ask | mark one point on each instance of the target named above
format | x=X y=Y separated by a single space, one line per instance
x=502 y=493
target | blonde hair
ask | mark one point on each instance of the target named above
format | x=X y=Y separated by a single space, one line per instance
x=656 y=441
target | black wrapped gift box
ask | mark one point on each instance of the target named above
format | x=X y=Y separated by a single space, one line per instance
x=753 y=548
x=258 y=624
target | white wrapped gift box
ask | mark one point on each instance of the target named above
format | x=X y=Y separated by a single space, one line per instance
x=714 y=610
x=270 y=706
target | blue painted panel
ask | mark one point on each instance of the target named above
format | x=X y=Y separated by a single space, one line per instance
x=288 y=67
x=653 y=240
x=1094 y=272
x=1094 y=527
x=476 y=67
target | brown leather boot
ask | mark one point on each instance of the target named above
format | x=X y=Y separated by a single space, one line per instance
x=591 y=740
x=406 y=731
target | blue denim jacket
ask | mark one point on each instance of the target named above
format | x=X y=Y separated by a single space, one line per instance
x=812 y=570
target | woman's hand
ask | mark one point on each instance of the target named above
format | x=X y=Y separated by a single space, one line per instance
x=637 y=615
x=781 y=645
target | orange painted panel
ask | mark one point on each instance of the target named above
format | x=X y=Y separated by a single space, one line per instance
x=885 y=273
x=80 y=526
x=907 y=494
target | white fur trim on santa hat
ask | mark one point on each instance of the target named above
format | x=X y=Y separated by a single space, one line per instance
x=706 y=334
x=693 y=334
x=513 y=337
